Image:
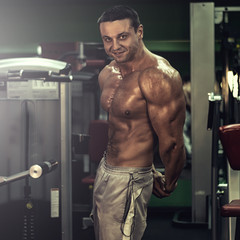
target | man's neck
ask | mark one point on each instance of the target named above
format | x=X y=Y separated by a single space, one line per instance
x=135 y=64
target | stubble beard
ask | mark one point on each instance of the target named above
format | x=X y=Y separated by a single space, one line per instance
x=127 y=56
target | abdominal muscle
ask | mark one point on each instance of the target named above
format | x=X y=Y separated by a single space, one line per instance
x=130 y=143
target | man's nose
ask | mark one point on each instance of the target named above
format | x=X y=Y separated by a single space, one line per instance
x=115 y=45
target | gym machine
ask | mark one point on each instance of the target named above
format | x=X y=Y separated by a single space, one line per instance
x=35 y=105
x=205 y=145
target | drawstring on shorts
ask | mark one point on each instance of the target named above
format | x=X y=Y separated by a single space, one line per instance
x=133 y=178
x=129 y=196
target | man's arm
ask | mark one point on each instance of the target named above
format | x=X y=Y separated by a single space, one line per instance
x=166 y=109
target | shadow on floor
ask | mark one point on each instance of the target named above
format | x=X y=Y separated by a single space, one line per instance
x=160 y=226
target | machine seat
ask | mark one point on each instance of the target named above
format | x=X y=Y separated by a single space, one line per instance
x=230 y=138
x=89 y=180
x=231 y=209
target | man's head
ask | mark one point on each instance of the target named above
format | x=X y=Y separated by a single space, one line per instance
x=119 y=13
x=121 y=33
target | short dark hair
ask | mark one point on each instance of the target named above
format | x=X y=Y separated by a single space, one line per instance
x=120 y=12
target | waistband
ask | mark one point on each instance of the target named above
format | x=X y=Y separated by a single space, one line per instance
x=119 y=169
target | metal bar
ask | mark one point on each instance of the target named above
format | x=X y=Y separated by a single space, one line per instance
x=227 y=9
x=214 y=176
x=66 y=170
x=15 y=177
x=202 y=82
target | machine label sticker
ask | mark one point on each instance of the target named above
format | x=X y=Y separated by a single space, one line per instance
x=54 y=202
x=33 y=89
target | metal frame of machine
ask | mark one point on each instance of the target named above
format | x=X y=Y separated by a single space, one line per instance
x=203 y=17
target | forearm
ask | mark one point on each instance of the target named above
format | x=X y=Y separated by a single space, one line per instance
x=174 y=162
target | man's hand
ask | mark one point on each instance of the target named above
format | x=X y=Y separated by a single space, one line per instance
x=159 y=185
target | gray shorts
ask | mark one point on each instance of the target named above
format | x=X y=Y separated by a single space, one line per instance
x=120 y=200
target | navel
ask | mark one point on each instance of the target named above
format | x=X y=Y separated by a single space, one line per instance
x=127 y=112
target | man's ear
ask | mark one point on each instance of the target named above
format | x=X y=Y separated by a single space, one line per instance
x=140 y=31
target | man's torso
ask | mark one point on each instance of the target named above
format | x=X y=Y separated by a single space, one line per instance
x=130 y=130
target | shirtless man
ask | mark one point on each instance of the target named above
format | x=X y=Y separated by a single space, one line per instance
x=143 y=96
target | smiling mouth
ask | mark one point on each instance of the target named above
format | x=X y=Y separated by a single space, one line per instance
x=117 y=53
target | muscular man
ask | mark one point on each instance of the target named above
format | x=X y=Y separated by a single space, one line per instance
x=143 y=96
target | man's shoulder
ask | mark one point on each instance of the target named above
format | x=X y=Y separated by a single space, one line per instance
x=161 y=67
x=104 y=73
x=160 y=71
x=107 y=69
x=161 y=77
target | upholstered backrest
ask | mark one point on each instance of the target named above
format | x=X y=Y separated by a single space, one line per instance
x=98 y=131
x=230 y=138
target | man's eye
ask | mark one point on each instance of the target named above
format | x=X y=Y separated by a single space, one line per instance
x=107 y=39
x=123 y=37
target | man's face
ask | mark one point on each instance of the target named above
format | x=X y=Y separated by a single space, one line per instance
x=120 y=40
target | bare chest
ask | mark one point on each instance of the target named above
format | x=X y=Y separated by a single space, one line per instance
x=122 y=97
